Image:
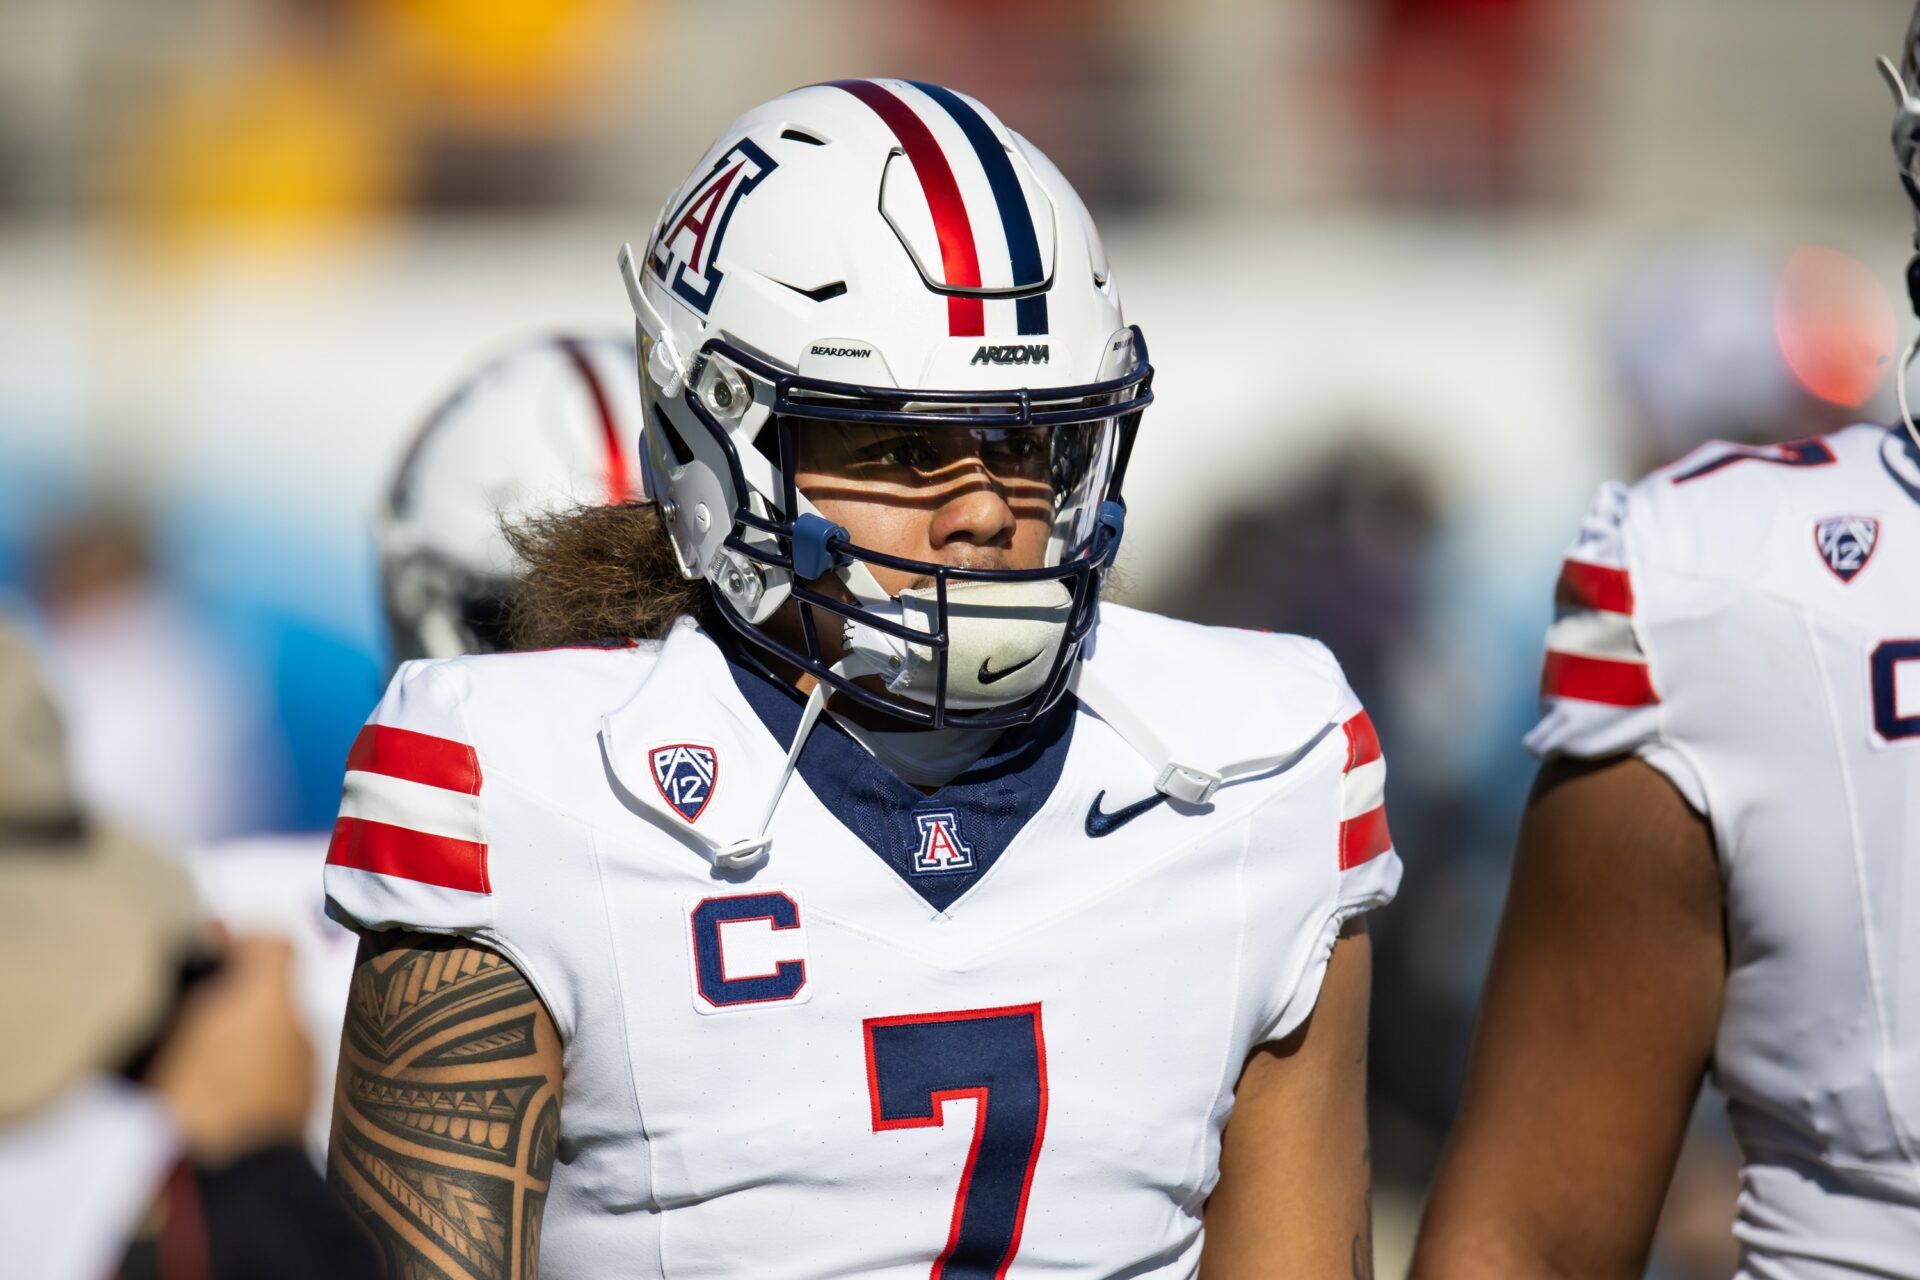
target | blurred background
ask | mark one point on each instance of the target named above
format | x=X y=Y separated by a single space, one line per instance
x=1416 y=273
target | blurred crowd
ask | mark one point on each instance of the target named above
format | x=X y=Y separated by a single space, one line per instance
x=249 y=243
x=154 y=1094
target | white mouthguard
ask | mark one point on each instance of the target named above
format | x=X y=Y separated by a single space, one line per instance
x=1002 y=642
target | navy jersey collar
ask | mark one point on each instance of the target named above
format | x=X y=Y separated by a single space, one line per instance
x=941 y=843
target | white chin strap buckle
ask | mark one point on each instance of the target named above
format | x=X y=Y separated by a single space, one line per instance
x=1187 y=784
x=743 y=855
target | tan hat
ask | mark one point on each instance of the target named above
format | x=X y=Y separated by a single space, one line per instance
x=93 y=924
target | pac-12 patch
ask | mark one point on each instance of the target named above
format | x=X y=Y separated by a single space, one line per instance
x=686 y=775
x=941 y=847
x=1846 y=543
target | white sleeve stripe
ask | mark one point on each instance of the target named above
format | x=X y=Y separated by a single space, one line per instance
x=1362 y=788
x=1596 y=634
x=435 y=811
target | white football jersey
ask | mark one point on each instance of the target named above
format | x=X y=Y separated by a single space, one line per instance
x=1748 y=620
x=990 y=1030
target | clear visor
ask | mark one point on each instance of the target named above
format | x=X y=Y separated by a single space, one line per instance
x=1048 y=479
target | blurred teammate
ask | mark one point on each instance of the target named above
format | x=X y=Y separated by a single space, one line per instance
x=1719 y=870
x=545 y=426
x=887 y=923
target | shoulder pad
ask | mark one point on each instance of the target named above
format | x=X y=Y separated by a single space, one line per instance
x=1216 y=696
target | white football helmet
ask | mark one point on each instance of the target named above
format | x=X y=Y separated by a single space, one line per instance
x=549 y=425
x=886 y=253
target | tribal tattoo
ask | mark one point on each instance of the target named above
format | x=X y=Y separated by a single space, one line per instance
x=447 y=1110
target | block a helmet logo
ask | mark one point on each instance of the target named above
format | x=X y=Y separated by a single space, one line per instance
x=1846 y=543
x=689 y=240
x=686 y=775
x=941 y=848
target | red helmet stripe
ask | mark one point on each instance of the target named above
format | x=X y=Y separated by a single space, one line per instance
x=619 y=477
x=966 y=317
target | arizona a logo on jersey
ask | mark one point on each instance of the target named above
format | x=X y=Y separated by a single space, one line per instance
x=941 y=848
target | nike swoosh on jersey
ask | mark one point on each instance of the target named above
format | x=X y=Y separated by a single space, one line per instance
x=988 y=676
x=1102 y=824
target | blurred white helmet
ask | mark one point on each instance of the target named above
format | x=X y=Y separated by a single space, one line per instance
x=886 y=254
x=549 y=425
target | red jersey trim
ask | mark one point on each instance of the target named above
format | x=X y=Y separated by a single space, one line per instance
x=1608 y=681
x=364 y=845
x=1363 y=744
x=416 y=757
x=1594 y=586
x=1364 y=838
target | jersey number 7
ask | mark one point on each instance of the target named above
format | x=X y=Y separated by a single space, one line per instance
x=918 y=1062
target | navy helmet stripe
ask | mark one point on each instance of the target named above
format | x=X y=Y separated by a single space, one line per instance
x=1023 y=244
x=1030 y=314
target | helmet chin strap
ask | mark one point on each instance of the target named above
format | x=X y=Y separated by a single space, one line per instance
x=745 y=855
x=1906 y=147
x=1900 y=378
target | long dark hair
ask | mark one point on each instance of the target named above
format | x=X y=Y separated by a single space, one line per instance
x=597 y=573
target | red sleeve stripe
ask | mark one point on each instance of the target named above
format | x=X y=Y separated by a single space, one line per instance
x=1607 y=681
x=1594 y=586
x=1363 y=744
x=416 y=757
x=1364 y=838
x=410 y=855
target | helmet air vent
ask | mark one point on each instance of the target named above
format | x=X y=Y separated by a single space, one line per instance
x=791 y=134
x=820 y=293
x=676 y=443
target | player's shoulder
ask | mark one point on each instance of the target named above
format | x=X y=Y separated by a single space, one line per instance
x=1719 y=511
x=1271 y=666
x=1274 y=711
x=488 y=701
x=457 y=776
x=565 y=666
x=1239 y=692
x=1691 y=541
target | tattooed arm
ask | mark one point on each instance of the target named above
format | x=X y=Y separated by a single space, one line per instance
x=447 y=1109
x=1295 y=1190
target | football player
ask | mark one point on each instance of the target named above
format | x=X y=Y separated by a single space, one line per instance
x=547 y=424
x=1718 y=872
x=858 y=894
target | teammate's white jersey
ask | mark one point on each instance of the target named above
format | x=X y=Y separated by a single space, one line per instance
x=996 y=1026
x=271 y=885
x=1748 y=620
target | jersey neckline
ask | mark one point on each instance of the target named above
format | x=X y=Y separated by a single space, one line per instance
x=940 y=843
